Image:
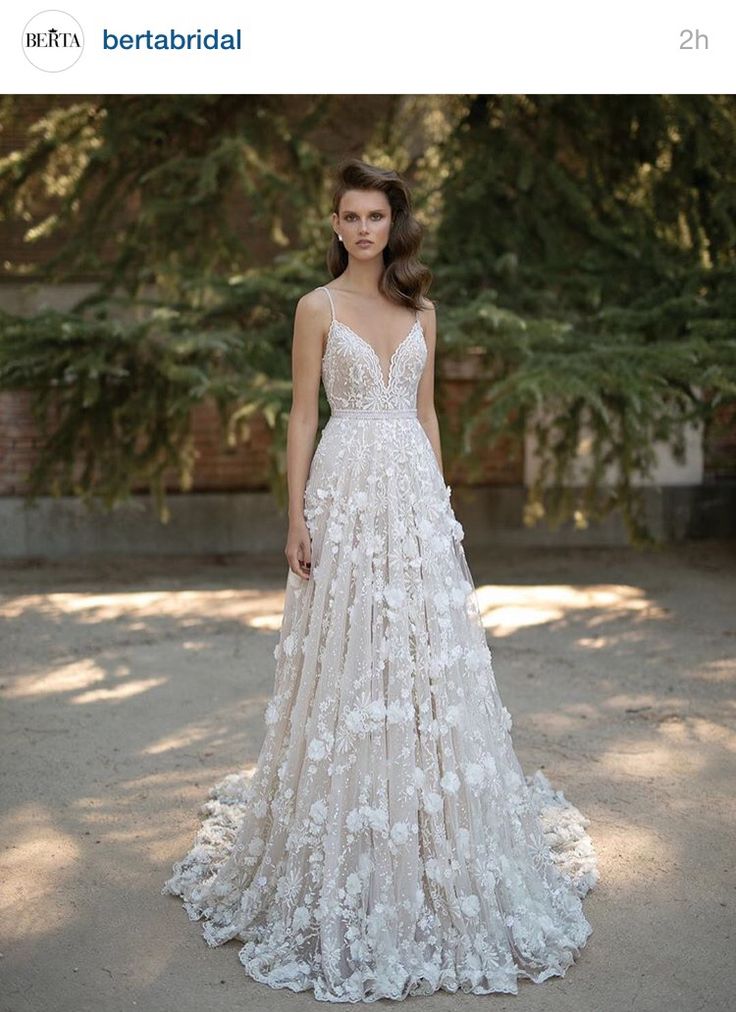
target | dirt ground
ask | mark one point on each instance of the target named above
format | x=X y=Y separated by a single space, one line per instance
x=129 y=686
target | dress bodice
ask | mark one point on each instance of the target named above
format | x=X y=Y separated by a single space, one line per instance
x=353 y=374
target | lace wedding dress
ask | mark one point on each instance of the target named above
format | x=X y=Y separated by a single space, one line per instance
x=388 y=843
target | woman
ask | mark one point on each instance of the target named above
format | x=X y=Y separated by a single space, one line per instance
x=388 y=843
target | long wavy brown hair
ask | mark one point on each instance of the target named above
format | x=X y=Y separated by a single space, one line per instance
x=405 y=279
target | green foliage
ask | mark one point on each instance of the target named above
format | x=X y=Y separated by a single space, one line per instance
x=113 y=398
x=146 y=189
x=612 y=390
x=583 y=248
x=588 y=247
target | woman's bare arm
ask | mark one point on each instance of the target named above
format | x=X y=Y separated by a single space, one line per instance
x=425 y=393
x=306 y=362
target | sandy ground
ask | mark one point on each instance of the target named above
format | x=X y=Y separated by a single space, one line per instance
x=130 y=686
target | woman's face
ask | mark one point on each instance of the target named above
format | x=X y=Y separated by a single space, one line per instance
x=364 y=222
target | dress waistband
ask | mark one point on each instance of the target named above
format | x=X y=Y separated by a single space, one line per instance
x=371 y=413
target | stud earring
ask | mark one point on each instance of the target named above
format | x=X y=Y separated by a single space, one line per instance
x=339 y=237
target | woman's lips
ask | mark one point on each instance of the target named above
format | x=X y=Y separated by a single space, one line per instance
x=365 y=242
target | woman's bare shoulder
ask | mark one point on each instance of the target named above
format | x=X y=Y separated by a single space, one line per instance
x=313 y=305
x=315 y=297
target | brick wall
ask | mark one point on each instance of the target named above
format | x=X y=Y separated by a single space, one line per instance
x=18 y=441
x=246 y=466
x=218 y=467
x=720 y=447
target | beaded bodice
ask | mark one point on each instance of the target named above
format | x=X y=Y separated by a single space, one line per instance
x=353 y=374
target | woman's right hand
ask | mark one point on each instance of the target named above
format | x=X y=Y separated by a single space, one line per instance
x=298 y=549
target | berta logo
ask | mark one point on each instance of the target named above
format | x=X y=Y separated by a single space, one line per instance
x=53 y=41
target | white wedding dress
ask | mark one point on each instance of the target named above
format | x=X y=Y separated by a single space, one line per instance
x=387 y=843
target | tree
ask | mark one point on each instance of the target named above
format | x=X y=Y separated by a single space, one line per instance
x=590 y=244
x=583 y=251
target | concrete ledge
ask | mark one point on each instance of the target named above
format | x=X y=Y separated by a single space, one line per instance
x=222 y=523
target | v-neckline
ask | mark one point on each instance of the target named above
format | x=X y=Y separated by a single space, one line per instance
x=385 y=382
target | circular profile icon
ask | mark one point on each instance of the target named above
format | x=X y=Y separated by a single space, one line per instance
x=53 y=41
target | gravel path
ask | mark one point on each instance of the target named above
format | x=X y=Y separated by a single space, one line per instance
x=129 y=686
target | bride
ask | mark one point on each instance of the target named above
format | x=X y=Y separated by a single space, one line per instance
x=388 y=843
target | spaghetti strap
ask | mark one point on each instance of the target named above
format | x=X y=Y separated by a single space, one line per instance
x=329 y=296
